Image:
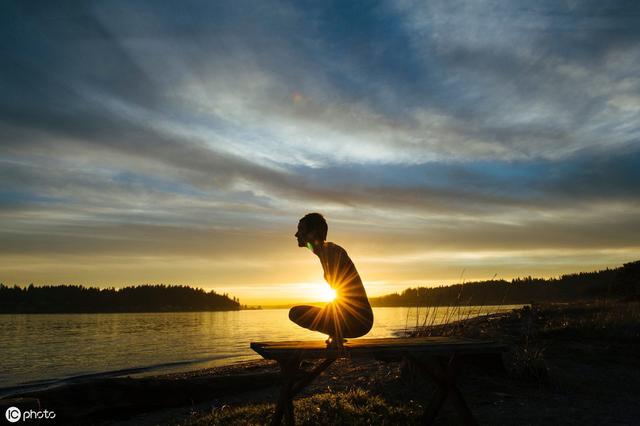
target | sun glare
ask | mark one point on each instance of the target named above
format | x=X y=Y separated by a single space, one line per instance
x=326 y=294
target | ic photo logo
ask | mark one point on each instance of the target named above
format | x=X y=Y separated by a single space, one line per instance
x=13 y=414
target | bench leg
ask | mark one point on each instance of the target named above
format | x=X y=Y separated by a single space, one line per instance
x=290 y=387
x=288 y=371
x=431 y=411
x=310 y=377
x=442 y=371
x=456 y=396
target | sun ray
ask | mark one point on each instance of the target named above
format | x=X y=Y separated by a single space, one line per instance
x=326 y=294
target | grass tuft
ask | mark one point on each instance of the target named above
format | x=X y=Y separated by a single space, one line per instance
x=354 y=407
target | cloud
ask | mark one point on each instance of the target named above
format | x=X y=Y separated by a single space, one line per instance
x=477 y=126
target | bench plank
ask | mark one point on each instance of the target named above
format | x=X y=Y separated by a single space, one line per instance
x=385 y=347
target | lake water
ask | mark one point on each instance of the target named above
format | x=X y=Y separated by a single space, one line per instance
x=39 y=350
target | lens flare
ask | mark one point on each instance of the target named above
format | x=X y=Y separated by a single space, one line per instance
x=327 y=294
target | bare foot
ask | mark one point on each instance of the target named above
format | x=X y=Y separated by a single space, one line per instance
x=334 y=343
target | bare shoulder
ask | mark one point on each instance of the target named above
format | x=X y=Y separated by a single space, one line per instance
x=336 y=251
x=333 y=247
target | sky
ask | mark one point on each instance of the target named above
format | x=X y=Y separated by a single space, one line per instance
x=180 y=142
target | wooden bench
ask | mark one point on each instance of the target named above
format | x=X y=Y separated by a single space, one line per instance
x=435 y=358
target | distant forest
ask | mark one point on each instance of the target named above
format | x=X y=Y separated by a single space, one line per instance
x=622 y=282
x=143 y=298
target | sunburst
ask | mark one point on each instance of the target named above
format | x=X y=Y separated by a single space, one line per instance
x=326 y=294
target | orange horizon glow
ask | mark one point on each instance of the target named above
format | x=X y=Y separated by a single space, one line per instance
x=277 y=272
x=318 y=292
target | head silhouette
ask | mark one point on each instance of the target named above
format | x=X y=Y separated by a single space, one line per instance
x=312 y=229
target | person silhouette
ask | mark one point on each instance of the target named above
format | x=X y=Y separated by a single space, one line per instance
x=349 y=314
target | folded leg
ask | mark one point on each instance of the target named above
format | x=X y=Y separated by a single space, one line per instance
x=333 y=320
x=313 y=318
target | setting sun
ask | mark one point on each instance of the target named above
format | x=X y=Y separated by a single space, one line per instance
x=326 y=294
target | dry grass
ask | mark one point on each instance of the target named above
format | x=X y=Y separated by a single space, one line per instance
x=600 y=319
x=446 y=320
x=354 y=407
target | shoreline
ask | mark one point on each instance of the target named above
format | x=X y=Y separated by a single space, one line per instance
x=35 y=373
x=191 y=368
x=150 y=371
x=145 y=390
x=261 y=308
x=112 y=399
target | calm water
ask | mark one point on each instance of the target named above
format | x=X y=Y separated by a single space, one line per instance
x=42 y=349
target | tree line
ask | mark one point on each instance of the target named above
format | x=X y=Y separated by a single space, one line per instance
x=142 y=298
x=622 y=282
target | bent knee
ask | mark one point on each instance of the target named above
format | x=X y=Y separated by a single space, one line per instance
x=296 y=312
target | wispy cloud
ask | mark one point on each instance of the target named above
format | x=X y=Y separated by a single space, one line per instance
x=203 y=131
